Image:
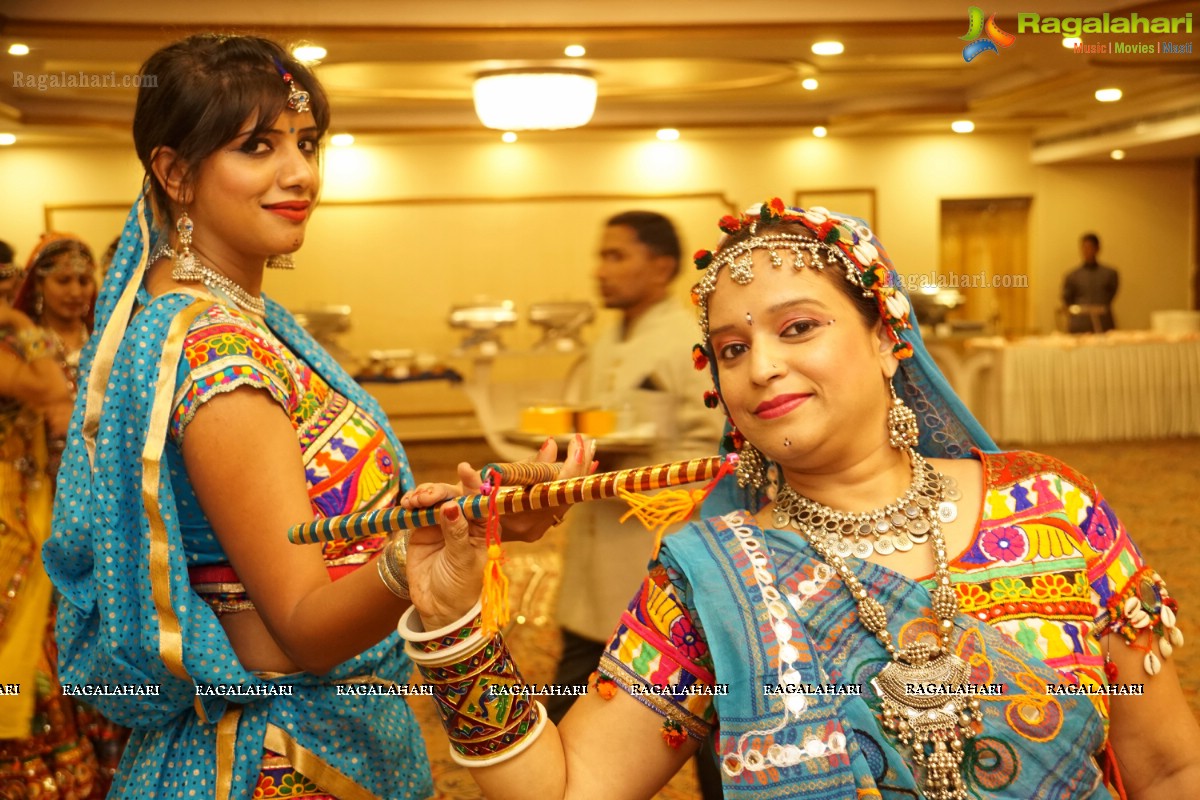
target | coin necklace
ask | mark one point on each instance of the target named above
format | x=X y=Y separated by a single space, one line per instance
x=934 y=725
x=905 y=521
x=196 y=271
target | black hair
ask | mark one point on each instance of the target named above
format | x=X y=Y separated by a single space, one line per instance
x=195 y=95
x=1091 y=237
x=6 y=253
x=653 y=230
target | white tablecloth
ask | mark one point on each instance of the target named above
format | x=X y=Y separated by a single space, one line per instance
x=1116 y=386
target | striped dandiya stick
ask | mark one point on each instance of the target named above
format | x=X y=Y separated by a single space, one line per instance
x=511 y=499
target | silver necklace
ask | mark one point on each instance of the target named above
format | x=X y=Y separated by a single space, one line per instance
x=896 y=527
x=193 y=270
x=934 y=725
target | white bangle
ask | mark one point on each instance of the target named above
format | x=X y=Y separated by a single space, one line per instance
x=412 y=630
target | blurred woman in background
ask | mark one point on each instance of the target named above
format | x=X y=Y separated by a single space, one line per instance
x=43 y=753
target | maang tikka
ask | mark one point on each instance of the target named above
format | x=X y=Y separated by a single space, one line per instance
x=298 y=99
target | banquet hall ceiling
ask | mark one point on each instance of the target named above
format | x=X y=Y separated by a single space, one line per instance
x=397 y=69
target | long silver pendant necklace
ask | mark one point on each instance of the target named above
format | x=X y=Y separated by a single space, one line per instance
x=933 y=725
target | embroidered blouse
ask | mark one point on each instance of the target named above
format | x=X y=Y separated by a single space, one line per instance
x=349 y=463
x=1050 y=566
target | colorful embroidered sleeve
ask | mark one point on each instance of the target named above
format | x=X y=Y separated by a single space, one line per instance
x=224 y=351
x=659 y=656
x=1132 y=600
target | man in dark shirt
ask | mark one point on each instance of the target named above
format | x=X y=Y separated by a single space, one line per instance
x=1088 y=291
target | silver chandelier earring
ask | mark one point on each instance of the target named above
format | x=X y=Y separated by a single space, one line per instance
x=751 y=469
x=903 y=432
x=186 y=268
x=281 y=261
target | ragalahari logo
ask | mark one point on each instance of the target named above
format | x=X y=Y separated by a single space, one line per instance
x=983 y=37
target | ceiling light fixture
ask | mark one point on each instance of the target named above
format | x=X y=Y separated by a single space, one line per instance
x=1110 y=95
x=7 y=139
x=667 y=134
x=341 y=139
x=1071 y=42
x=508 y=137
x=18 y=49
x=309 y=53
x=809 y=83
x=535 y=98
x=829 y=48
x=820 y=132
x=1117 y=155
x=962 y=126
x=575 y=50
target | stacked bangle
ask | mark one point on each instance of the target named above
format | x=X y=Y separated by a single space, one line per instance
x=481 y=698
x=392 y=564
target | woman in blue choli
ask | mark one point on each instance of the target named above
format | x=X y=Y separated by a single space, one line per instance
x=879 y=604
x=209 y=424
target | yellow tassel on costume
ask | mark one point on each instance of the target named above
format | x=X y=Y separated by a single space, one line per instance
x=495 y=593
x=658 y=512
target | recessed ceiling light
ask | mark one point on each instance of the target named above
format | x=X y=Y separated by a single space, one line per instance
x=575 y=50
x=1117 y=155
x=18 y=49
x=508 y=137
x=1110 y=95
x=830 y=48
x=1071 y=42
x=7 y=139
x=820 y=132
x=341 y=139
x=962 y=126
x=308 y=53
x=809 y=83
x=667 y=134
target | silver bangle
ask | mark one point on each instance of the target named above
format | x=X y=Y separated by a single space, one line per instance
x=392 y=564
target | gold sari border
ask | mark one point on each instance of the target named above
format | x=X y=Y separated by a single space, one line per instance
x=170 y=638
x=312 y=767
x=110 y=341
x=226 y=750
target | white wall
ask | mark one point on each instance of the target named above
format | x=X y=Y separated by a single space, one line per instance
x=402 y=266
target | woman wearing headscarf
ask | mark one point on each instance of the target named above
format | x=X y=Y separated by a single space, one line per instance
x=879 y=605
x=59 y=294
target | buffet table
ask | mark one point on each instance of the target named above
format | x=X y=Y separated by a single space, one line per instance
x=1121 y=385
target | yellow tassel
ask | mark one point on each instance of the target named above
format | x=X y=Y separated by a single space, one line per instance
x=495 y=593
x=658 y=512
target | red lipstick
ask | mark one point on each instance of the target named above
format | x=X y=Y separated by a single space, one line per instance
x=295 y=210
x=780 y=405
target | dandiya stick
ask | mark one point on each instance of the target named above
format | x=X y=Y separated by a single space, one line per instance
x=510 y=500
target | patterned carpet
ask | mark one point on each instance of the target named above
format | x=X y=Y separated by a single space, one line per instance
x=1149 y=484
